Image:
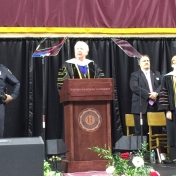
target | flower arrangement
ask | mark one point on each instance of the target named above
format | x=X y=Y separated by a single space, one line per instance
x=126 y=164
x=48 y=171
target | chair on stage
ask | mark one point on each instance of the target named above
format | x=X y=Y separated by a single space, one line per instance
x=129 y=121
x=155 y=140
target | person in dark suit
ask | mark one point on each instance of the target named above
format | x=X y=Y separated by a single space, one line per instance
x=145 y=85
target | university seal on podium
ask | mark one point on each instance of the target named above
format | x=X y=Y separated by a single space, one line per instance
x=89 y=119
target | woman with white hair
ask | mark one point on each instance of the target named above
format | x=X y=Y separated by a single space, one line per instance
x=79 y=67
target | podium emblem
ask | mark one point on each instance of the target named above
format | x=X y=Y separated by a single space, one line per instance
x=89 y=119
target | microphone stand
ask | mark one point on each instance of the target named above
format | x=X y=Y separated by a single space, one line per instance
x=141 y=118
x=140 y=106
x=43 y=53
x=44 y=102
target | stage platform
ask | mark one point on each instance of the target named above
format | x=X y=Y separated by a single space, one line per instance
x=163 y=169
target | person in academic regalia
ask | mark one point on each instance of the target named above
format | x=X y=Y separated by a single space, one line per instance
x=79 y=67
x=167 y=103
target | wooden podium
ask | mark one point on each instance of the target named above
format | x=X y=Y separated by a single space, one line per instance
x=87 y=122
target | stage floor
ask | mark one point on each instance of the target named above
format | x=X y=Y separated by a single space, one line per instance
x=163 y=169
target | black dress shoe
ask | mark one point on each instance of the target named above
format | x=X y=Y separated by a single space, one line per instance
x=167 y=161
x=174 y=160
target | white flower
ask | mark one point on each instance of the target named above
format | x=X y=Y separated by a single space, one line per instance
x=138 y=161
x=110 y=169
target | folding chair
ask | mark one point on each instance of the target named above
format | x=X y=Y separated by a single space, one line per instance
x=129 y=121
x=156 y=140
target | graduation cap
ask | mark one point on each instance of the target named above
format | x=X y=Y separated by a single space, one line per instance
x=127 y=48
x=51 y=51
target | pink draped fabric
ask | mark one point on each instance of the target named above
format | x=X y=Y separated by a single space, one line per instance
x=88 y=13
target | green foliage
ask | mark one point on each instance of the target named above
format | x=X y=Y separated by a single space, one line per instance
x=47 y=167
x=144 y=150
x=123 y=166
x=48 y=171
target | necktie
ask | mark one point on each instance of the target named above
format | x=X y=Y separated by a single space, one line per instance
x=151 y=102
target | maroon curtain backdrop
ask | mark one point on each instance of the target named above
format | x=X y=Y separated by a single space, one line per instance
x=88 y=13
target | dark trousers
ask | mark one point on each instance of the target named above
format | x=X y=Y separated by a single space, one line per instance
x=172 y=153
x=171 y=130
x=2 y=115
x=138 y=127
x=145 y=127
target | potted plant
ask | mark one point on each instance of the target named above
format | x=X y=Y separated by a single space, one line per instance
x=120 y=165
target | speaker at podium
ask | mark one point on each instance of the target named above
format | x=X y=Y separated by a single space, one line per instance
x=22 y=156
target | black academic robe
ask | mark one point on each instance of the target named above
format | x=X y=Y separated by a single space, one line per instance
x=166 y=103
x=69 y=71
